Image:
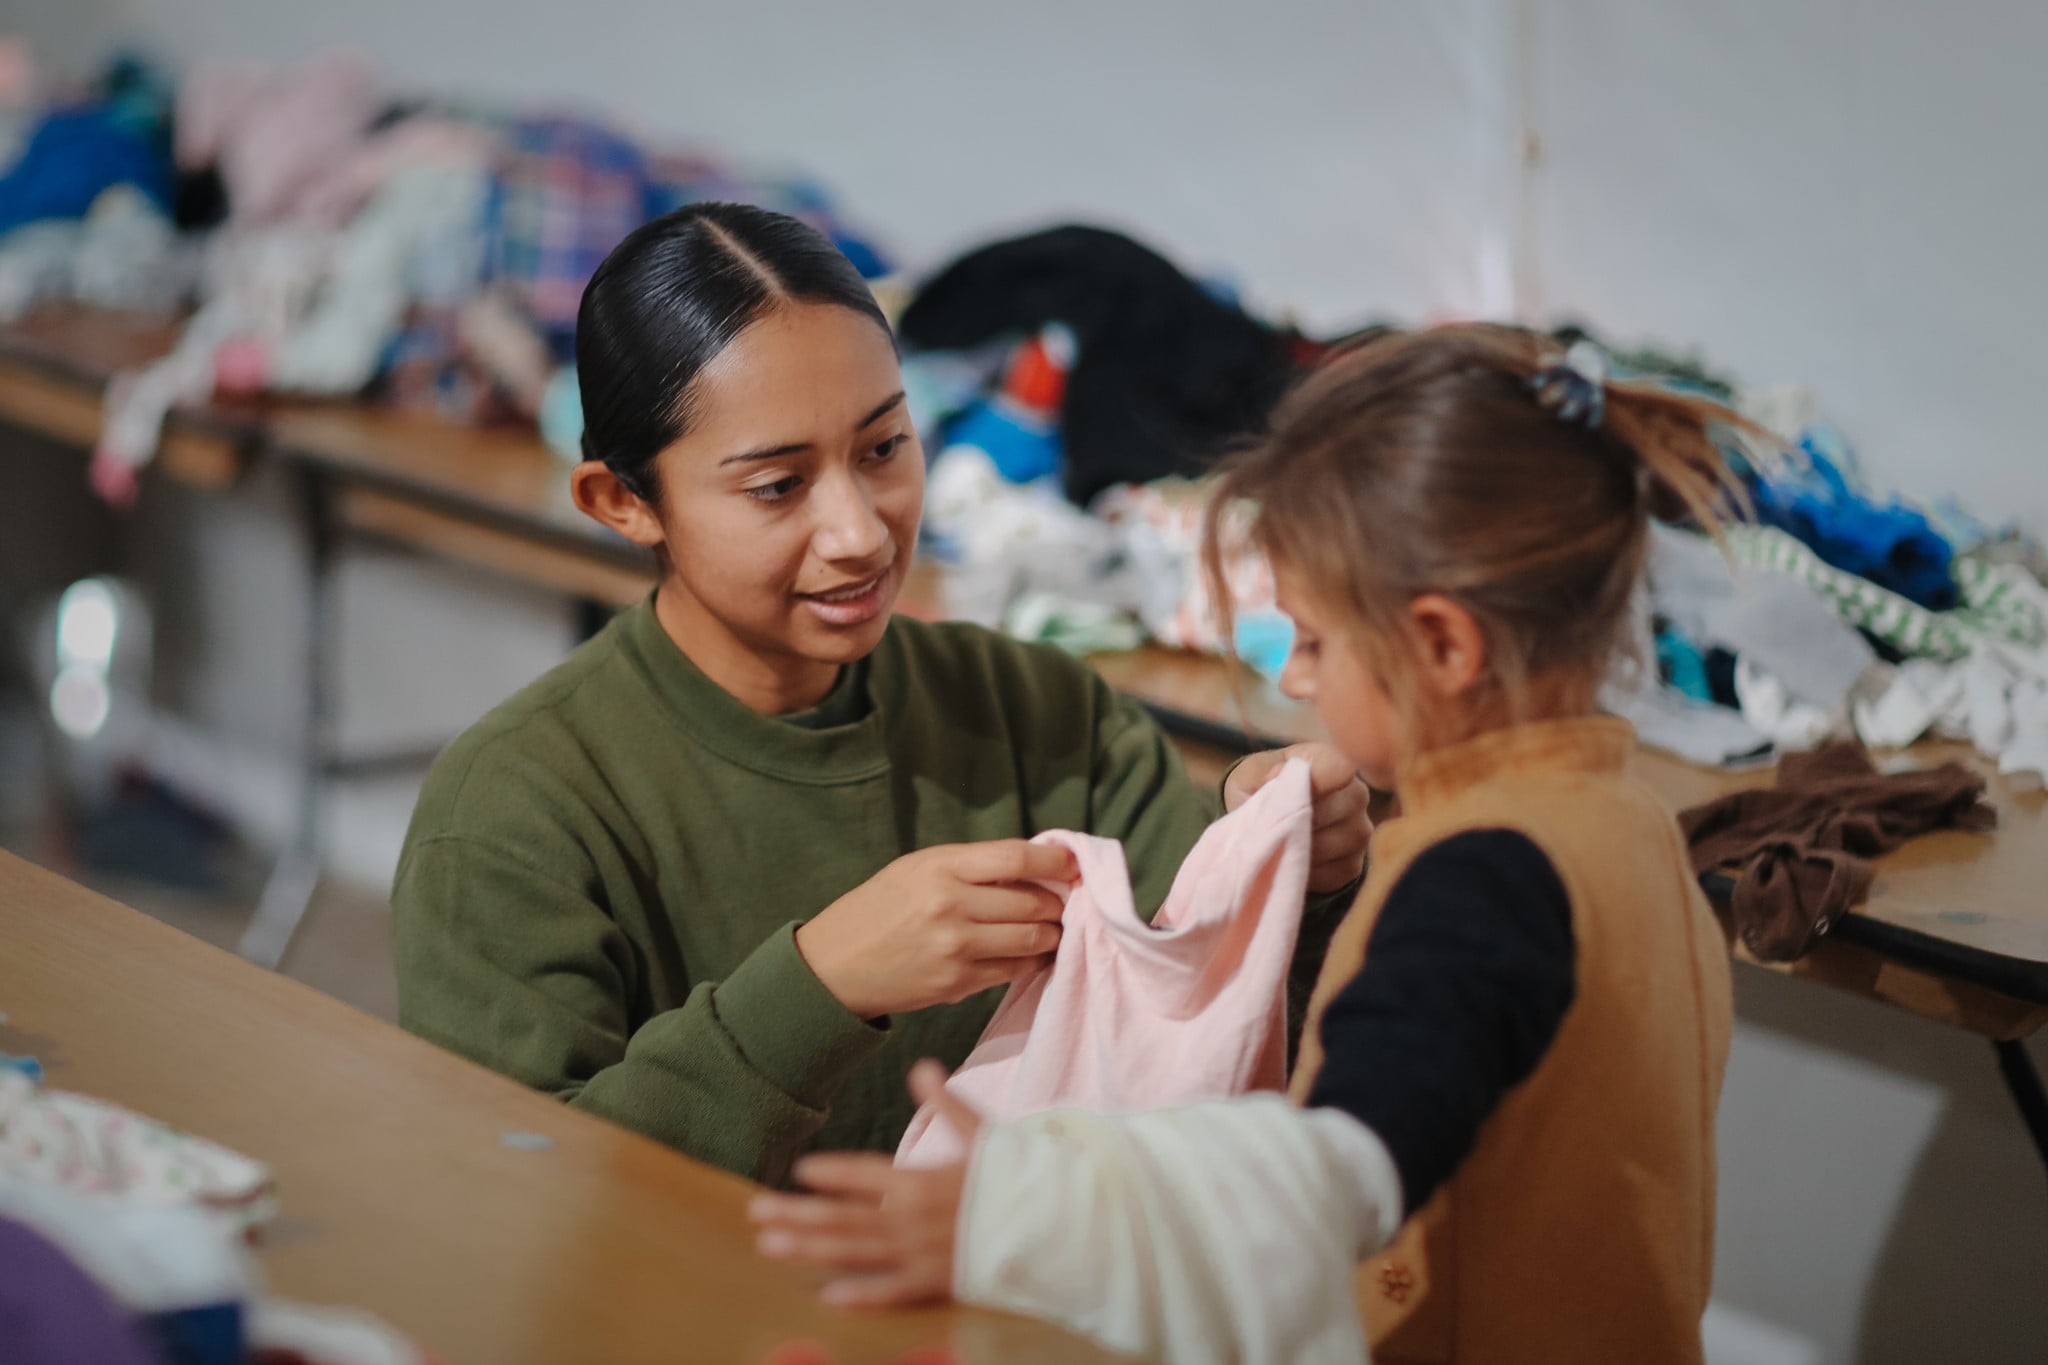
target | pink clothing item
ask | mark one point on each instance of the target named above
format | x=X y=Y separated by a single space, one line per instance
x=274 y=132
x=1133 y=1016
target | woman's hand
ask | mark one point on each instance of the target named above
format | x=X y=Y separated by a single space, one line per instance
x=1343 y=829
x=938 y=925
x=886 y=1235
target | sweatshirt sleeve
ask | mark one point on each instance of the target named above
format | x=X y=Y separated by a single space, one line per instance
x=530 y=977
x=1135 y=1229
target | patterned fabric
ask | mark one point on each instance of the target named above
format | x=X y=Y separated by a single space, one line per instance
x=1998 y=601
x=88 y=1146
x=1162 y=522
x=566 y=193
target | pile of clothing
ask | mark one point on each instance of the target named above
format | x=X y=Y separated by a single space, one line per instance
x=126 y=1243
x=90 y=205
x=334 y=238
x=1839 y=613
x=1076 y=386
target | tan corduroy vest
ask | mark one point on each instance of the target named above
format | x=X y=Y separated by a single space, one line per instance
x=1580 y=1228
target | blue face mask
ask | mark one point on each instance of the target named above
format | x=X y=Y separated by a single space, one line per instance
x=1264 y=639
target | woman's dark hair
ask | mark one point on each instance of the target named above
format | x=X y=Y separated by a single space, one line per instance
x=673 y=295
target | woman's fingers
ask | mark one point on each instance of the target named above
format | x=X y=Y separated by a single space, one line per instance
x=997 y=942
x=1344 y=807
x=1014 y=860
x=1012 y=904
x=1340 y=845
x=1329 y=771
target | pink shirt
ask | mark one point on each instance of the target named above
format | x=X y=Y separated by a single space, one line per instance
x=1133 y=1016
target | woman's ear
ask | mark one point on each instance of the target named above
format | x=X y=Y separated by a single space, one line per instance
x=1452 y=647
x=601 y=496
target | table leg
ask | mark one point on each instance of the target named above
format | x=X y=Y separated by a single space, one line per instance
x=296 y=875
x=2024 y=1082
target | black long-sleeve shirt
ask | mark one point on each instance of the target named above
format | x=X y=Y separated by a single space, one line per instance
x=1468 y=973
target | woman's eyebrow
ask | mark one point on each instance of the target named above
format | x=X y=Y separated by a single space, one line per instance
x=768 y=453
x=882 y=409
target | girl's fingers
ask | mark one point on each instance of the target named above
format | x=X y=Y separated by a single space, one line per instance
x=864 y=1176
x=893 y=1289
x=928 y=1086
x=810 y=1213
x=830 y=1250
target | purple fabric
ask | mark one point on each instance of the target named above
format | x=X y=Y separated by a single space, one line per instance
x=52 y=1314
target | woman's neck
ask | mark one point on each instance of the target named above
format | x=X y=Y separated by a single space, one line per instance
x=770 y=684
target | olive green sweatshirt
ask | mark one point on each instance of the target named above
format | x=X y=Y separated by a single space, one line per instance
x=601 y=884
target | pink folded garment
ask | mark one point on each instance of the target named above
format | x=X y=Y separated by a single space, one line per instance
x=1134 y=1016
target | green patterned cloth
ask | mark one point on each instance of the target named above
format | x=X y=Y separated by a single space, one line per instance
x=1999 y=601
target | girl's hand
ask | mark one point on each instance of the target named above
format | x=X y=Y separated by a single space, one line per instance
x=887 y=1235
x=1343 y=829
x=939 y=925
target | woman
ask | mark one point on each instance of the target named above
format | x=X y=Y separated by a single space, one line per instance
x=733 y=866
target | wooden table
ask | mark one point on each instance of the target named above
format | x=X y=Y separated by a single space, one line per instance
x=398 y=1191
x=1956 y=928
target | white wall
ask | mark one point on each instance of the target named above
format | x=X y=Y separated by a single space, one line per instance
x=1849 y=193
x=68 y=36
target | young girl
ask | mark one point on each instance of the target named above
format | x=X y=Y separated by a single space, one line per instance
x=724 y=873
x=1517 y=1043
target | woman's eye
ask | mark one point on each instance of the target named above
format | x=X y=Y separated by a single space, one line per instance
x=774 y=492
x=890 y=446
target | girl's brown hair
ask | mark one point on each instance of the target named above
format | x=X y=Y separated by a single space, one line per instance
x=1467 y=461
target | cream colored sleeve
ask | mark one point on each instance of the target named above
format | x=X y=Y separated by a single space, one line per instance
x=1225 y=1231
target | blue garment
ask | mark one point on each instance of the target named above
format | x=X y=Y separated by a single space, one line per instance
x=565 y=193
x=1023 y=447
x=561 y=414
x=1891 y=545
x=1682 y=665
x=72 y=157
